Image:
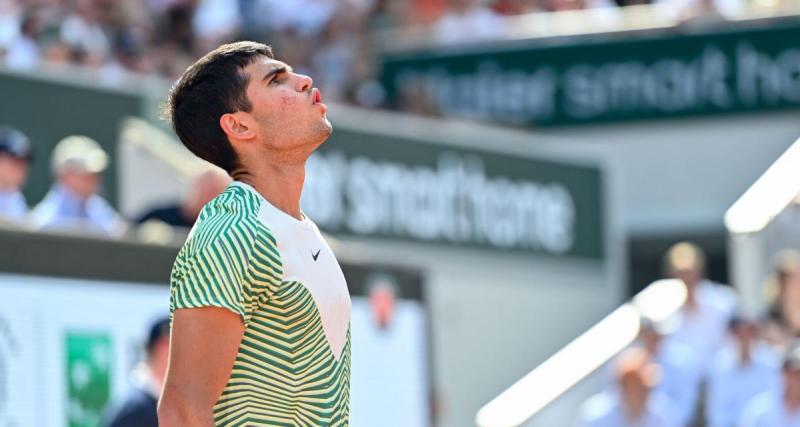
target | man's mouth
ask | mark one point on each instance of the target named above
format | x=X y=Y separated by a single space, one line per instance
x=316 y=96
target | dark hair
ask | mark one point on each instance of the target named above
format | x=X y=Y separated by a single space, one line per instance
x=211 y=87
x=159 y=329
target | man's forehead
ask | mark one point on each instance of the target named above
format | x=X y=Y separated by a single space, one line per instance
x=267 y=64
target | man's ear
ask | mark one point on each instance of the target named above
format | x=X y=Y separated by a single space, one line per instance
x=237 y=126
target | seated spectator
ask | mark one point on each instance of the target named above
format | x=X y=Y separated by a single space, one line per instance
x=516 y=7
x=778 y=408
x=139 y=407
x=702 y=320
x=73 y=202
x=15 y=156
x=783 y=318
x=82 y=31
x=633 y=402
x=467 y=21
x=739 y=373
x=205 y=187
x=24 y=53
x=681 y=371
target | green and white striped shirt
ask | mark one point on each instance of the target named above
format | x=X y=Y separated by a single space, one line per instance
x=278 y=273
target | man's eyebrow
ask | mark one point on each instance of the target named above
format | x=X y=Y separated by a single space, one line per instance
x=277 y=70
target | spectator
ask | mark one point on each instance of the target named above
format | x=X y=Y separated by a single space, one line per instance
x=24 y=53
x=305 y=18
x=516 y=7
x=467 y=21
x=703 y=318
x=339 y=47
x=15 y=156
x=783 y=319
x=73 y=202
x=681 y=371
x=215 y=22
x=778 y=408
x=740 y=372
x=127 y=58
x=633 y=402
x=564 y=5
x=10 y=14
x=416 y=12
x=81 y=30
x=139 y=407
x=205 y=187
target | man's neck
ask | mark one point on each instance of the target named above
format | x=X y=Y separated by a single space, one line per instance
x=281 y=185
x=634 y=413
x=691 y=303
x=70 y=195
x=745 y=355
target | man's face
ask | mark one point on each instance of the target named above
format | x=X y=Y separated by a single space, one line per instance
x=688 y=275
x=744 y=334
x=83 y=184
x=791 y=287
x=634 y=391
x=13 y=172
x=286 y=106
x=650 y=338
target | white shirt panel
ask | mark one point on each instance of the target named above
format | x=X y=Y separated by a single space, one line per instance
x=307 y=258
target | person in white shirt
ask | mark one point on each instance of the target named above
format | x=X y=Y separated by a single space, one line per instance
x=15 y=157
x=681 y=372
x=740 y=373
x=467 y=21
x=73 y=202
x=782 y=323
x=633 y=402
x=778 y=408
x=702 y=321
x=24 y=53
x=82 y=30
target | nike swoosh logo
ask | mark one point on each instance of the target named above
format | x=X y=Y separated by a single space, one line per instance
x=316 y=254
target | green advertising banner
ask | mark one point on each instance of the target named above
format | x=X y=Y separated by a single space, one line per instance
x=598 y=79
x=370 y=185
x=88 y=377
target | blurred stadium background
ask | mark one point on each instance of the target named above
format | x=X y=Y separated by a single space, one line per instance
x=503 y=183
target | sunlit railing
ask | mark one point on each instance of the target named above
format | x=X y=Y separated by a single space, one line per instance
x=581 y=357
x=768 y=196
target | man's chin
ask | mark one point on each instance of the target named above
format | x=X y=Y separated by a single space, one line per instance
x=326 y=127
x=323 y=130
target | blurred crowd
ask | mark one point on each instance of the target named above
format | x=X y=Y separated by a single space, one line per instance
x=74 y=203
x=713 y=363
x=332 y=40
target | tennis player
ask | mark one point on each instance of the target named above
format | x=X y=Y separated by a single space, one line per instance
x=260 y=307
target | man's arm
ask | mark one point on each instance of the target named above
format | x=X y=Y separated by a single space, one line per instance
x=203 y=346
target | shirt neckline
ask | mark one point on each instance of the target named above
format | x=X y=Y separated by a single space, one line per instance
x=305 y=222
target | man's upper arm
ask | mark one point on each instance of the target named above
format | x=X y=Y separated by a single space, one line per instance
x=203 y=346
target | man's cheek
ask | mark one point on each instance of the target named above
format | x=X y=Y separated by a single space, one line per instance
x=288 y=105
x=288 y=101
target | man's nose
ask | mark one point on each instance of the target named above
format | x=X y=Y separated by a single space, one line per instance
x=305 y=82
